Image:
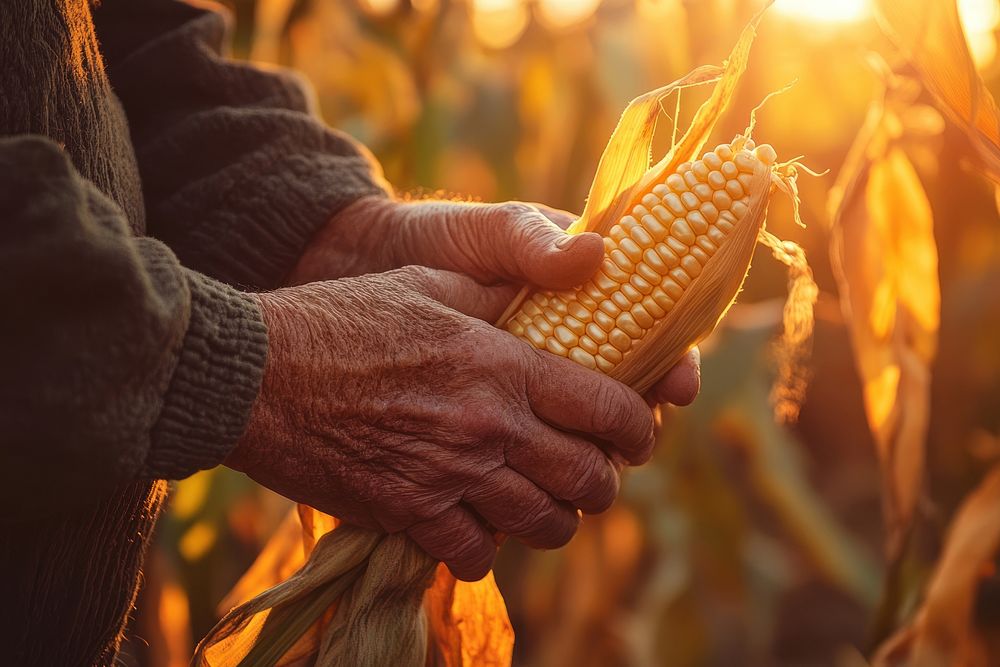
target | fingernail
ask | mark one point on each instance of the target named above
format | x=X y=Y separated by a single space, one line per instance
x=566 y=241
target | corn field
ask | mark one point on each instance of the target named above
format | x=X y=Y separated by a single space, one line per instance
x=835 y=501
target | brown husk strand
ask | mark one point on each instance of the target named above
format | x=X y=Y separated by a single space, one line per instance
x=361 y=598
x=364 y=598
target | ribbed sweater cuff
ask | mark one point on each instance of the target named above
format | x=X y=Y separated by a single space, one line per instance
x=281 y=211
x=215 y=383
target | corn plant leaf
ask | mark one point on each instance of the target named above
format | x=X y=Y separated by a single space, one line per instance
x=885 y=259
x=467 y=623
x=942 y=631
x=280 y=557
x=930 y=36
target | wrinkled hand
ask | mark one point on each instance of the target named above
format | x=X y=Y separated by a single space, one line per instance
x=389 y=401
x=512 y=242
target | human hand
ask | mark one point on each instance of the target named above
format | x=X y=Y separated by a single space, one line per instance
x=511 y=242
x=388 y=401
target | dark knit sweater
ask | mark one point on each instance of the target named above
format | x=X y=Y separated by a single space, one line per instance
x=144 y=182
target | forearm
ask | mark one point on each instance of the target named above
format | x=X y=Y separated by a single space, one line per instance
x=118 y=362
x=238 y=172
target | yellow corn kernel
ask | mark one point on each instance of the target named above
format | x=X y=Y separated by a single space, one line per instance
x=653 y=256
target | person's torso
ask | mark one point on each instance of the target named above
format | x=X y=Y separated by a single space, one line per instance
x=70 y=580
x=53 y=84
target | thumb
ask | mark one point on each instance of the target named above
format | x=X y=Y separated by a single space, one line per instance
x=513 y=242
x=458 y=292
x=531 y=248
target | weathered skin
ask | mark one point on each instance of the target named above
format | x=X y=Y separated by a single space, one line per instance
x=391 y=401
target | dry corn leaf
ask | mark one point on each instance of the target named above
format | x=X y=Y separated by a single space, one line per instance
x=467 y=621
x=235 y=638
x=885 y=259
x=281 y=556
x=942 y=633
x=929 y=34
x=792 y=350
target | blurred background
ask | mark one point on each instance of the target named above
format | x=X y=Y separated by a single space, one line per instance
x=744 y=542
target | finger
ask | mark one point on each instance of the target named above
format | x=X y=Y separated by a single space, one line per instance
x=513 y=242
x=459 y=292
x=568 y=467
x=459 y=540
x=681 y=384
x=530 y=247
x=576 y=399
x=516 y=506
x=562 y=219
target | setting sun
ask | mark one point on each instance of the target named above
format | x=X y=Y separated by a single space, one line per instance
x=979 y=20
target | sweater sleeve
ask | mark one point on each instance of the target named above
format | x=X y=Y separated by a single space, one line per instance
x=118 y=363
x=237 y=170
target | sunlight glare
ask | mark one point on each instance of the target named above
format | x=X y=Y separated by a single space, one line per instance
x=379 y=7
x=980 y=19
x=825 y=11
x=564 y=13
x=498 y=24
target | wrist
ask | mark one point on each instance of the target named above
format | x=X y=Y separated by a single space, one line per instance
x=261 y=419
x=214 y=385
x=356 y=240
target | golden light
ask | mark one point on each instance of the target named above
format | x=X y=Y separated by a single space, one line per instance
x=825 y=11
x=379 y=7
x=499 y=23
x=556 y=14
x=980 y=19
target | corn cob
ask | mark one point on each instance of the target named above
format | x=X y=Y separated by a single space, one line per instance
x=654 y=256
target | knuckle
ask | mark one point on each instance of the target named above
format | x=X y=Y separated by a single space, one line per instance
x=464 y=545
x=548 y=528
x=413 y=509
x=612 y=408
x=645 y=453
x=603 y=505
x=522 y=224
x=563 y=532
x=611 y=489
x=415 y=272
x=531 y=365
x=475 y=566
x=535 y=521
x=515 y=212
x=487 y=421
x=586 y=479
x=420 y=277
x=601 y=488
